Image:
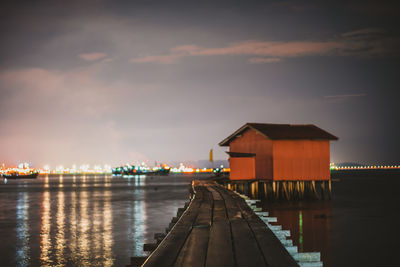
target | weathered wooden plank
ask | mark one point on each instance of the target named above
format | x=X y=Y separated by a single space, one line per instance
x=194 y=251
x=215 y=194
x=232 y=209
x=219 y=229
x=220 y=250
x=205 y=213
x=219 y=211
x=245 y=246
x=168 y=250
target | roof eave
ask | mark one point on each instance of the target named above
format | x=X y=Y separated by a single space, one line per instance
x=227 y=140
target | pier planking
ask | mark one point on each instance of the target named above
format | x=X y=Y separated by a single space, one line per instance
x=219 y=229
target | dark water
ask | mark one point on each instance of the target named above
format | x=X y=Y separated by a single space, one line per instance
x=359 y=227
x=85 y=221
x=104 y=220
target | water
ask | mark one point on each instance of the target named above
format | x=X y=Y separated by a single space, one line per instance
x=104 y=220
x=358 y=227
x=85 y=220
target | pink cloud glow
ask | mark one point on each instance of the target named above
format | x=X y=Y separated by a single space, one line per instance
x=162 y=59
x=272 y=50
x=361 y=43
x=92 y=56
x=256 y=60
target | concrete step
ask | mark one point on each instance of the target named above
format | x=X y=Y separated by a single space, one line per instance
x=311 y=264
x=269 y=219
x=308 y=256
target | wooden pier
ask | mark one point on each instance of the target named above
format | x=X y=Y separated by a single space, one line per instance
x=219 y=229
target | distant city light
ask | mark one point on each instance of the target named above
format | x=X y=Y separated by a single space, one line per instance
x=107 y=169
x=363 y=167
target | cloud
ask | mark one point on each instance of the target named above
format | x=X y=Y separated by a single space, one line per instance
x=272 y=49
x=344 y=96
x=369 y=42
x=163 y=59
x=92 y=56
x=249 y=48
x=172 y=57
x=256 y=60
x=191 y=49
x=371 y=32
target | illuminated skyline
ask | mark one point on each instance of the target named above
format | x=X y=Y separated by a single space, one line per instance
x=127 y=81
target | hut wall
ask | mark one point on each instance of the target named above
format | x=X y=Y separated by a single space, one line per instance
x=253 y=142
x=242 y=168
x=301 y=160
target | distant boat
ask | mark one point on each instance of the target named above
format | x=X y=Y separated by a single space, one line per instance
x=163 y=171
x=138 y=170
x=117 y=171
x=21 y=174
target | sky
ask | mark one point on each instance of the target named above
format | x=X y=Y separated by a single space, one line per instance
x=125 y=81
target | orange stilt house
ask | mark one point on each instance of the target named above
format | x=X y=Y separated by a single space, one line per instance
x=279 y=152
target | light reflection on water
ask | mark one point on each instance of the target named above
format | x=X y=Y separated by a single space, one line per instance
x=60 y=236
x=309 y=223
x=107 y=230
x=45 y=230
x=358 y=227
x=139 y=211
x=22 y=246
x=84 y=224
x=84 y=220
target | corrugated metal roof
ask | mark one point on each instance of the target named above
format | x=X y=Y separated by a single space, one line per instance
x=283 y=132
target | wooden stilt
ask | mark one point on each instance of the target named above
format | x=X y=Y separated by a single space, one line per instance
x=265 y=190
x=298 y=190
x=285 y=189
x=323 y=189
x=274 y=189
x=256 y=190
x=313 y=189
x=330 y=189
x=307 y=189
x=277 y=189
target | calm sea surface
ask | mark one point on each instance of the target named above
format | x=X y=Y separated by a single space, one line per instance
x=104 y=220
x=358 y=227
x=84 y=220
